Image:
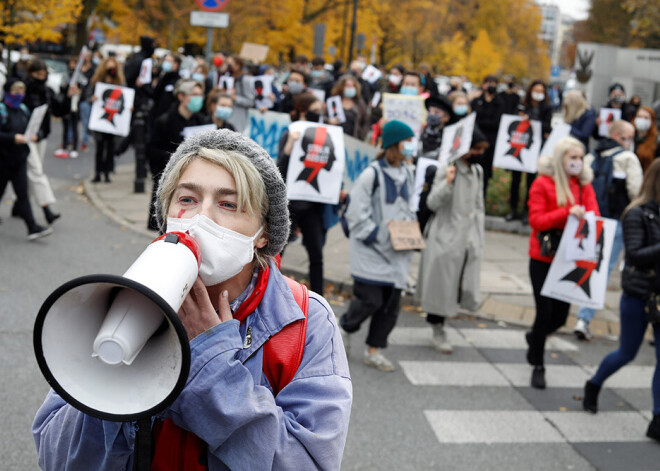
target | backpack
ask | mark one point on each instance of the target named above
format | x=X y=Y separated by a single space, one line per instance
x=4 y=114
x=603 y=182
x=342 y=216
x=282 y=354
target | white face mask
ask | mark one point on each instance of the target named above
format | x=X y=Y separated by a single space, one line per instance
x=538 y=96
x=642 y=124
x=573 y=168
x=224 y=252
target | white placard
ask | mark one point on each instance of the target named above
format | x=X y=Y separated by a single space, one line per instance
x=111 y=111
x=581 y=238
x=420 y=176
x=371 y=74
x=559 y=132
x=607 y=117
x=36 y=118
x=192 y=130
x=145 y=71
x=407 y=109
x=226 y=82
x=582 y=282
x=319 y=94
x=336 y=109
x=316 y=165
x=76 y=72
x=262 y=85
x=457 y=139
x=518 y=144
x=375 y=100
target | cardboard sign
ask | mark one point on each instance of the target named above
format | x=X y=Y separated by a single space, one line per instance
x=262 y=85
x=423 y=164
x=558 y=133
x=581 y=238
x=582 y=282
x=76 y=71
x=36 y=118
x=255 y=53
x=145 y=71
x=336 y=109
x=518 y=144
x=192 y=130
x=457 y=139
x=316 y=165
x=406 y=235
x=266 y=129
x=371 y=74
x=407 y=109
x=607 y=117
x=111 y=111
x=226 y=82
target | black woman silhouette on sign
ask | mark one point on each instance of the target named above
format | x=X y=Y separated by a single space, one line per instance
x=319 y=154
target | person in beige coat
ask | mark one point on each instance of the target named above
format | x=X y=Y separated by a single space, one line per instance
x=449 y=272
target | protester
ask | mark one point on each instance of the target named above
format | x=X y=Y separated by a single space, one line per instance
x=168 y=133
x=617 y=100
x=635 y=102
x=536 y=106
x=646 y=136
x=219 y=107
x=641 y=233
x=305 y=215
x=460 y=106
x=617 y=179
x=296 y=84
x=380 y=194
x=394 y=79
x=450 y=265
x=489 y=108
x=321 y=79
x=164 y=99
x=580 y=116
x=439 y=112
x=70 y=119
x=411 y=84
x=229 y=405
x=84 y=104
x=355 y=109
x=563 y=188
x=428 y=83
x=14 y=117
x=242 y=93
x=510 y=96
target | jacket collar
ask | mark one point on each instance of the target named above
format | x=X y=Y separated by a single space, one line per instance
x=390 y=187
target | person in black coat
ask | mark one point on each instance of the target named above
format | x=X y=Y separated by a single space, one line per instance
x=168 y=133
x=641 y=236
x=163 y=95
x=536 y=106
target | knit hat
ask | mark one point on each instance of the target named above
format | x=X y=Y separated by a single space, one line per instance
x=277 y=218
x=395 y=132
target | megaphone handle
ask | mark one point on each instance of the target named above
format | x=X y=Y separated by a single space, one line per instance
x=143 y=445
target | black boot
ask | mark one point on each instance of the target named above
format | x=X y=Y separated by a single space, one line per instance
x=590 y=400
x=513 y=214
x=538 y=377
x=654 y=428
x=14 y=210
x=50 y=216
x=97 y=178
x=107 y=178
x=525 y=218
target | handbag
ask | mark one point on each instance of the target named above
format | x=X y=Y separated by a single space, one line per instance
x=652 y=309
x=549 y=241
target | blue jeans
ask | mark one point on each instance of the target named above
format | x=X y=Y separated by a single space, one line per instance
x=587 y=313
x=633 y=326
x=85 y=109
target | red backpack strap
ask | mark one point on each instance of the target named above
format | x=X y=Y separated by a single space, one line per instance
x=177 y=449
x=283 y=352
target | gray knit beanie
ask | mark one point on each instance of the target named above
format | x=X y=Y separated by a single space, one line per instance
x=277 y=218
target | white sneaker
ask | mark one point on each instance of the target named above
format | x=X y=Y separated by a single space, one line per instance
x=346 y=339
x=581 y=330
x=440 y=342
x=73 y=154
x=377 y=360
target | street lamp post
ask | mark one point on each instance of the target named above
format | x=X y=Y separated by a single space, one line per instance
x=353 y=29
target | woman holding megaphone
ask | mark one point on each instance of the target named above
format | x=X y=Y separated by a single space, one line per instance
x=251 y=400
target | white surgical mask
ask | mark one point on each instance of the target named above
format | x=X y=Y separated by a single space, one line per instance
x=573 y=168
x=224 y=252
x=394 y=79
x=538 y=96
x=642 y=124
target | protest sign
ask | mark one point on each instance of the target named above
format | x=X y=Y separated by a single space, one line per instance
x=582 y=282
x=316 y=165
x=581 y=238
x=111 y=111
x=407 y=109
x=607 y=117
x=319 y=94
x=558 y=133
x=255 y=53
x=336 y=109
x=266 y=129
x=192 y=130
x=359 y=155
x=375 y=100
x=423 y=164
x=36 y=118
x=406 y=235
x=371 y=74
x=518 y=144
x=262 y=86
x=226 y=83
x=145 y=71
x=76 y=71
x=457 y=139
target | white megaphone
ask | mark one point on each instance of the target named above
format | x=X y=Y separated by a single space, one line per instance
x=113 y=346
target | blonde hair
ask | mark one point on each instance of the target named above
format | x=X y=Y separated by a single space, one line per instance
x=573 y=106
x=562 y=188
x=250 y=187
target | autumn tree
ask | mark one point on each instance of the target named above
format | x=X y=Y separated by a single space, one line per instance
x=484 y=58
x=24 y=21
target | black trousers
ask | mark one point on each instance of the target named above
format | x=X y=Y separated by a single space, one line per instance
x=17 y=175
x=382 y=303
x=310 y=222
x=514 y=190
x=486 y=162
x=551 y=314
x=105 y=153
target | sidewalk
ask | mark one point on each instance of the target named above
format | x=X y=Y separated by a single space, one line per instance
x=506 y=291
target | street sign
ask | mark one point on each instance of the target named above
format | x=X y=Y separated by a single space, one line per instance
x=212 y=5
x=210 y=20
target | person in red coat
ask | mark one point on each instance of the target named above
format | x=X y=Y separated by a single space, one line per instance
x=562 y=188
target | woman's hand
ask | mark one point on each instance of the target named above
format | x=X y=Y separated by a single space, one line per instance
x=198 y=314
x=451 y=174
x=577 y=211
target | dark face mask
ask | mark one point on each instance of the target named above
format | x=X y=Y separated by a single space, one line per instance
x=473 y=159
x=112 y=72
x=312 y=117
x=433 y=120
x=491 y=90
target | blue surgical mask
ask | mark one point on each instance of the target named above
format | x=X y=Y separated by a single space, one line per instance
x=317 y=73
x=409 y=149
x=196 y=103
x=296 y=87
x=223 y=112
x=460 y=110
x=350 y=92
x=166 y=66
x=409 y=91
x=199 y=77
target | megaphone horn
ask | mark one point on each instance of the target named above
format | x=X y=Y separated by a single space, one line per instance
x=113 y=346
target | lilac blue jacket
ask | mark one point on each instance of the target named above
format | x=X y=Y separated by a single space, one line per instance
x=228 y=401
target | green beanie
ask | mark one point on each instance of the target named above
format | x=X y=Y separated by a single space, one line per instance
x=395 y=132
